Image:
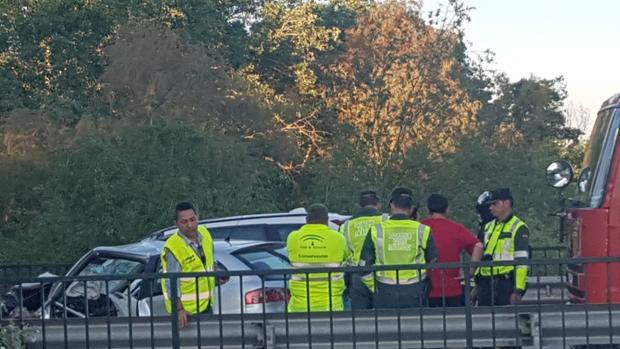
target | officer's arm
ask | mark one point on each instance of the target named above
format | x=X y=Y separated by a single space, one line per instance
x=481 y=234
x=430 y=252
x=522 y=247
x=173 y=266
x=368 y=250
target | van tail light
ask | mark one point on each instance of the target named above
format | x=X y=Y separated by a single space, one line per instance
x=267 y=295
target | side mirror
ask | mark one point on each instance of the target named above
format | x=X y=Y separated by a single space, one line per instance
x=559 y=174
x=584 y=180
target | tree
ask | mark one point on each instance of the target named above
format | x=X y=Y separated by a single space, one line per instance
x=528 y=110
x=396 y=83
x=53 y=51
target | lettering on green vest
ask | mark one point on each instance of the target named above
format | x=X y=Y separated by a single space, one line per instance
x=399 y=241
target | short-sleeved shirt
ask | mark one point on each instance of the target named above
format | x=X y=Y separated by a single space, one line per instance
x=451 y=238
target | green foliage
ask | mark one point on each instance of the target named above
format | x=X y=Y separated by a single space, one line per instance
x=113 y=190
x=53 y=53
x=14 y=337
x=531 y=109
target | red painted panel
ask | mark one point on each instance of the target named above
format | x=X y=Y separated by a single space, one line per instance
x=596 y=233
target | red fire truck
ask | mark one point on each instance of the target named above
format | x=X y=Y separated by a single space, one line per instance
x=592 y=222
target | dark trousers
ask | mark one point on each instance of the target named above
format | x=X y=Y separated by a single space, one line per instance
x=457 y=301
x=360 y=295
x=495 y=290
x=400 y=296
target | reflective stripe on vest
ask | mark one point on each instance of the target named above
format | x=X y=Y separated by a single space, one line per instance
x=507 y=252
x=194 y=292
x=347 y=236
x=192 y=297
x=369 y=222
x=382 y=275
x=335 y=276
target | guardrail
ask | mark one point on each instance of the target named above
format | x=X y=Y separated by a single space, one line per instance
x=537 y=322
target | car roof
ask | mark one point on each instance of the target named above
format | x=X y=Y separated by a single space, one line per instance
x=295 y=216
x=148 y=248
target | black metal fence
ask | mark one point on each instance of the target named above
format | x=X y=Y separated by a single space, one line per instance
x=126 y=311
x=16 y=272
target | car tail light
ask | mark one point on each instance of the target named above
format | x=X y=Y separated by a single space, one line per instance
x=267 y=295
x=338 y=222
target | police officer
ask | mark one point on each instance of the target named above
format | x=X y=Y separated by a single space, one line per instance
x=361 y=287
x=189 y=250
x=506 y=238
x=316 y=245
x=400 y=240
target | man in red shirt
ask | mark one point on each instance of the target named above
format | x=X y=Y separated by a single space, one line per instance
x=451 y=238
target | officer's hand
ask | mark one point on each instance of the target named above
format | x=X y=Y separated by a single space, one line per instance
x=515 y=298
x=183 y=318
x=473 y=296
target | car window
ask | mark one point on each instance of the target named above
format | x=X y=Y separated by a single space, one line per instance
x=265 y=259
x=243 y=232
x=220 y=233
x=283 y=231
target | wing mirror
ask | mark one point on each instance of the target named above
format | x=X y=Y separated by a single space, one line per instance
x=559 y=174
x=584 y=180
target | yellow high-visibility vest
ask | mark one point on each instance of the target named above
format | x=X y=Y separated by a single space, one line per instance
x=312 y=246
x=195 y=293
x=499 y=242
x=400 y=241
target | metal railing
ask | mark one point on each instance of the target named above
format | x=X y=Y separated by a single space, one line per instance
x=20 y=271
x=264 y=322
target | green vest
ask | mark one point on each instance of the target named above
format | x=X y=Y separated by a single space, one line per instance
x=191 y=288
x=316 y=245
x=499 y=242
x=355 y=231
x=400 y=242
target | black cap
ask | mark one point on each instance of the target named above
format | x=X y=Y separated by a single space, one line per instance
x=401 y=192
x=403 y=198
x=500 y=194
x=369 y=193
x=369 y=198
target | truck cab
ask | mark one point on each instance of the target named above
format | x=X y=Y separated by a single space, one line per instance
x=592 y=223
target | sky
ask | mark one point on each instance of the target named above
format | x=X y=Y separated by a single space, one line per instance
x=577 y=39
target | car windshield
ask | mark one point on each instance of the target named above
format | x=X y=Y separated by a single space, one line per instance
x=111 y=266
x=598 y=157
x=265 y=258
